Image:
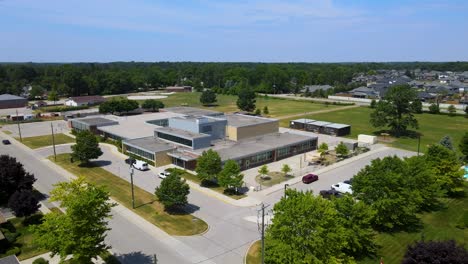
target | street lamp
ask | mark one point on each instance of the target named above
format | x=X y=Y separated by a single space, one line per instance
x=131 y=170
x=285 y=188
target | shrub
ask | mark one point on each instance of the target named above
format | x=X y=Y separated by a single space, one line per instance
x=13 y=251
x=40 y=261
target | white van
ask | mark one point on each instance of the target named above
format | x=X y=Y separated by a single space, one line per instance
x=140 y=165
x=342 y=188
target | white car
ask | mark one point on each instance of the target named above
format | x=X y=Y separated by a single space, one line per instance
x=342 y=188
x=164 y=174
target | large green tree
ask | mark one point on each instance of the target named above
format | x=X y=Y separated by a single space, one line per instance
x=396 y=190
x=230 y=176
x=118 y=105
x=152 y=104
x=208 y=97
x=208 y=166
x=395 y=111
x=81 y=229
x=305 y=229
x=463 y=146
x=173 y=191
x=446 y=167
x=13 y=178
x=246 y=99
x=86 y=147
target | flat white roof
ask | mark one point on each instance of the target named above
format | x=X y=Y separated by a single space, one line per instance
x=337 y=125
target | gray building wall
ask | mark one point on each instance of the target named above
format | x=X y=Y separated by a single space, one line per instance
x=201 y=143
x=217 y=131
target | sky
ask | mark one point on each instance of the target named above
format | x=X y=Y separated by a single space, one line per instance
x=233 y=31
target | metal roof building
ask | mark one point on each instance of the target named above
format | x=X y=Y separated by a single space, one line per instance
x=12 y=101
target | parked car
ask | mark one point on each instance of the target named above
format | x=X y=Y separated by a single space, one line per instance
x=6 y=142
x=350 y=181
x=309 y=178
x=129 y=161
x=164 y=174
x=140 y=165
x=328 y=194
x=342 y=188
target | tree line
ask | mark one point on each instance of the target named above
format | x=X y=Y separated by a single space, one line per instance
x=76 y=79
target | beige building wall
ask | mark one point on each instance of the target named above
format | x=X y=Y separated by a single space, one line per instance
x=238 y=133
x=161 y=158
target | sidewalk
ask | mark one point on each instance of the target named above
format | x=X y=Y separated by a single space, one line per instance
x=55 y=259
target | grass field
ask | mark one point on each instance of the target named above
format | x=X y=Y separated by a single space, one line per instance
x=439 y=225
x=216 y=188
x=24 y=241
x=146 y=204
x=227 y=103
x=254 y=255
x=432 y=127
x=44 y=141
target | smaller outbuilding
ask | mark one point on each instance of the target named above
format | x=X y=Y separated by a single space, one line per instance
x=12 y=101
x=317 y=126
x=91 y=124
x=337 y=130
x=300 y=123
x=179 y=89
x=85 y=100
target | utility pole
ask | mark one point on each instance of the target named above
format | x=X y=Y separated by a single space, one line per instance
x=53 y=141
x=263 y=232
x=19 y=128
x=285 y=188
x=131 y=182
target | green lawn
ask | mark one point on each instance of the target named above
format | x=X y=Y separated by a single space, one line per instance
x=24 y=241
x=273 y=178
x=7 y=132
x=146 y=204
x=227 y=103
x=254 y=255
x=44 y=141
x=193 y=178
x=439 y=225
x=432 y=127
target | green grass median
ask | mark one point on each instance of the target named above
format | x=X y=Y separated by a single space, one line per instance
x=45 y=141
x=146 y=203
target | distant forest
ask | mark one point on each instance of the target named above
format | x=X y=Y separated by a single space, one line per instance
x=73 y=79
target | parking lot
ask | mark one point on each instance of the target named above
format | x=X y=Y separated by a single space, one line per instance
x=37 y=128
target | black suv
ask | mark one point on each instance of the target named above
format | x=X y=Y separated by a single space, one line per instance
x=328 y=194
x=6 y=142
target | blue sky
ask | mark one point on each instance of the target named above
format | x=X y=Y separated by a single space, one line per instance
x=222 y=30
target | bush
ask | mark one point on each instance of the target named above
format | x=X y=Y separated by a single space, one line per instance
x=434 y=109
x=13 y=251
x=10 y=236
x=40 y=261
x=65 y=108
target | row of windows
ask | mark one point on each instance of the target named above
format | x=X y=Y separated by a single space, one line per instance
x=140 y=152
x=262 y=157
x=175 y=139
x=159 y=122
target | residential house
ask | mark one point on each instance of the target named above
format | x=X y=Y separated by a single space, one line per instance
x=179 y=89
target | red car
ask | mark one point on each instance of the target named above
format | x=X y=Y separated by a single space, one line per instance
x=309 y=178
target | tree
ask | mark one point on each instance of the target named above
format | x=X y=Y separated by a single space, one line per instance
x=396 y=190
x=452 y=110
x=434 y=109
x=446 y=141
x=118 y=105
x=286 y=169
x=341 y=150
x=86 y=147
x=13 y=178
x=446 y=167
x=208 y=165
x=322 y=149
x=23 y=203
x=208 y=97
x=395 y=111
x=263 y=171
x=173 y=191
x=81 y=229
x=373 y=104
x=231 y=176
x=435 y=252
x=36 y=91
x=356 y=217
x=466 y=111
x=246 y=99
x=53 y=96
x=265 y=110
x=416 y=106
x=258 y=112
x=152 y=104
x=305 y=229
x=463 y=146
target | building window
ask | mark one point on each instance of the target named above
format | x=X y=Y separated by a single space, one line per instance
x=175 y=139
x=140 y=152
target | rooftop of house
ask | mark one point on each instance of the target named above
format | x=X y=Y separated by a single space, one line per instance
x=4 y=97
x=239 y=120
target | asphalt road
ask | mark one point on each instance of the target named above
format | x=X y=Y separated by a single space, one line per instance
x=129 y=242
